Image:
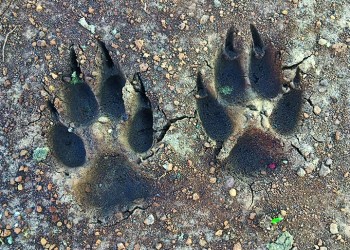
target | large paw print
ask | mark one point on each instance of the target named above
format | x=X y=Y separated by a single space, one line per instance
x=259 y=87
x=111 y=180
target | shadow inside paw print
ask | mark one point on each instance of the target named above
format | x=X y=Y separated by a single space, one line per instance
x=213 y=115
x=229 y=73
x=82 y=107
x=256 y=148
x=112 y=180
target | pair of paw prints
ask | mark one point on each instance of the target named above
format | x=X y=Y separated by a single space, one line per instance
x=236 y=87
x=111 y=179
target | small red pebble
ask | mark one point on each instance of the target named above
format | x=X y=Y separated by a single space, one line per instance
x=272 y=165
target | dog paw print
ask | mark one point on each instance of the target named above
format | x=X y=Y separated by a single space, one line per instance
x=252 y=105
x=99 y=122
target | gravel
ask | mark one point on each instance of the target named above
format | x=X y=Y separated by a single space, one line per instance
x=301 y=172
x=333 y=228
x=324 y=170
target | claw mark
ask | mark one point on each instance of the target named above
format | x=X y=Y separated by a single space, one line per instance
x=140 y=133
x=265 y=65
x=258 y=44
x=111 y=95
x=82 y=107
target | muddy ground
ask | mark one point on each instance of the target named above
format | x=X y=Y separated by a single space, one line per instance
x=192 y=196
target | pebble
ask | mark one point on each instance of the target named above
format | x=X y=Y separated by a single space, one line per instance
x=202 y=242
x=149 y=220
x=7 y=83
x=189 y=242
x=309 y=168
x=43 y=241
x=53 y=75
x=139 y=44
x=41 y=34
x=143 y=67
x=212 y=180
x=23 y=152
x=252 y=216
x=284 y=12
x=91 y=10
x=324 y=170
x=217 y=3
x=168 y=167
x=329 y=162
x=219 y=232
x=41 y=43
x=301 y=172
x=233 y=192
x=204 y=19
x=333 y=228
x=237 y=246
x=103 y=119
x=322 y=42
x=120 y=246
x=337 y=135
x=317 y=110
x=195 y=197
x=283 y=213
x=323 y=248
x=39 y=8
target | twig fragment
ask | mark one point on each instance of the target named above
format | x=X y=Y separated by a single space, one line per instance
x=5 y=41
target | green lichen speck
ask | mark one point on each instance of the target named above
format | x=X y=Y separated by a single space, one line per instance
x=40 y=154
x=284 y=242
x=75 y=79
x=225 y=90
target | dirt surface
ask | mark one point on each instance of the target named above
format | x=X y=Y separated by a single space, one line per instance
x=184 y=162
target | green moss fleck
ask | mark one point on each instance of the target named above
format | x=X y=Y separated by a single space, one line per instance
x=225 y=90
x=40 y=154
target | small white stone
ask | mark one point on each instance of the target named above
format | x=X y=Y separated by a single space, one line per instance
x=329 y=162
x=322 y=42
x=301 y=172
x=317 y=110
x=233 y=192
x=195 y=196
x=333 y=228
x=168 y=166
x=324 y=170
x=149 y=220
x=103 y=119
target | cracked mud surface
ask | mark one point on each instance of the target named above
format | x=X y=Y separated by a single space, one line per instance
x=176 y=125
